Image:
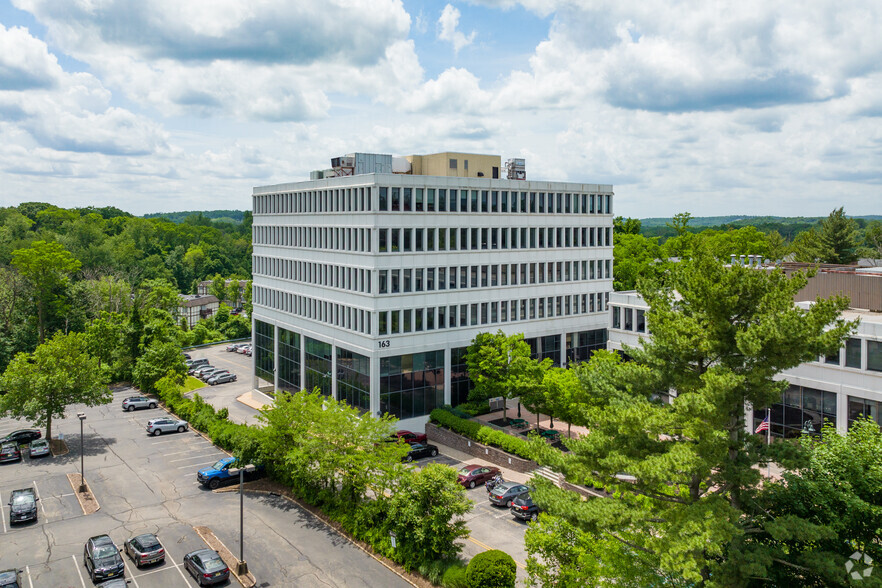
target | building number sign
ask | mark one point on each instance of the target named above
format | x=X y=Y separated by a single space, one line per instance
x=383 y=344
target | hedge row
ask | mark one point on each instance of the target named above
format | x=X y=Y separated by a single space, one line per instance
x=481 y=433
x=366 y=521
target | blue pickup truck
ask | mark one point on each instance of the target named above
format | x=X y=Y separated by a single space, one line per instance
x=225 y=470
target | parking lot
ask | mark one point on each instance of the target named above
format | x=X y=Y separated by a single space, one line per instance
x=147 y=484
x=224 y=395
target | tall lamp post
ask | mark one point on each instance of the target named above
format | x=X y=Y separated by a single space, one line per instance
x=242 y=567
x=82 y=418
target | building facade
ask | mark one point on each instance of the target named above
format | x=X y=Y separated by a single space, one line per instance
x=195 y=307
x=371 y=286
x=839 y=388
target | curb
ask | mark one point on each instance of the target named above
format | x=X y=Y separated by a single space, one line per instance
x=207 y=535
x=74 y=480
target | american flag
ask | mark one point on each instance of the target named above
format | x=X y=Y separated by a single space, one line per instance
x=763 y=426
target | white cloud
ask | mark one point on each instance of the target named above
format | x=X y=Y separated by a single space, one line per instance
x=447 y=25
x=62 y=111
x=274 y=60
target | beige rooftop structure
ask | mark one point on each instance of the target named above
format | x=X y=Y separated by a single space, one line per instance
x=460 y=165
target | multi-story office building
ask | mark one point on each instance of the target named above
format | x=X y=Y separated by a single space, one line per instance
x=838 y=388
x=370 y=286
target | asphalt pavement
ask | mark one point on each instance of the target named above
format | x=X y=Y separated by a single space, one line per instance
x=148 y=484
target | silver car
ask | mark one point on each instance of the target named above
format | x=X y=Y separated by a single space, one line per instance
x=38 y=448
x=220 y=378
x=205 y=374
x=133 y=402
x=166 y=425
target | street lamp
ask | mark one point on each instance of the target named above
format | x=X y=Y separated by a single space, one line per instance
x=82 y=418
x=242 y=567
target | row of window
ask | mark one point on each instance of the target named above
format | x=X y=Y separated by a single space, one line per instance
x=629 y=319
x=330 y=200
x=339 y=315
x=403 y=240
x=411 y=320
x=396 y=199
x=853 y=357
x=330 y=238
x=484 y=276
x=320 y=274
x=801 y=410
x=399 y=199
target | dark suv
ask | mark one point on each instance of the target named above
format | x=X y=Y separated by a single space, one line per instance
x=9 y=452
x=23 y=506
x=524 y=508
x=102 y=559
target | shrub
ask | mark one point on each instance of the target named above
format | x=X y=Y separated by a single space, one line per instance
x=482 y=434
x=473 y=407
x=455 y=576
x=491 y=569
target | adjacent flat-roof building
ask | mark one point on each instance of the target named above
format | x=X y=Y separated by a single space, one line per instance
x=839 y=388
x=370 y=286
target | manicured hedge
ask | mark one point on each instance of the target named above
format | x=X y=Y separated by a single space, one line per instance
x=491 y=569
x=481 y=433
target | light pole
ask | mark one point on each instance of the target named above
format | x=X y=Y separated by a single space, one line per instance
x=242 y=567
x=82 y=418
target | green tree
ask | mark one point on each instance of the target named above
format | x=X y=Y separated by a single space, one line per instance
x=873 y=240
x=159 y=359
x=720 y=336
x=680 y=223
x=105 y=337
x=218 y=287
x=47 y=267
x=232 y=293
x=426 y=514
x=807 y=247
x=838 y=236
x=809 y=524
x=246 y=304
x=492 y=569
x=562 y=389
x=635 y=257
x=626 y=226
x=60 y=372
x=498 y=365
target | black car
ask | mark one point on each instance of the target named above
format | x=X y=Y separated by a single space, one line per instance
x=102 y=559
x=10 y=452
x=22 y=436
x=524 y=508
x=206 y=566
x=144 y=549
x=10 y=579
x=418 y=450
x=23 y=506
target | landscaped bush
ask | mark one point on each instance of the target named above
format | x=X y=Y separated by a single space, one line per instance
x=480 y=433
x=491 y=569
x=455 y=576
x=474 y=407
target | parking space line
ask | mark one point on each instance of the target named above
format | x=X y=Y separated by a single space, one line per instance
x=130 y=574
x=196 y=465
x=189 y=458
x=37 y=492
x=77 y=567
x=200 y=440
x=28 y=574
x=177 y=567
x=2 y=514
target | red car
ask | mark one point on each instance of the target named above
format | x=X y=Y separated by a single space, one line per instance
x=473 y=474
x=410 y=437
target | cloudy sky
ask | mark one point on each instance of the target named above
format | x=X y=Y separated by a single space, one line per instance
x=753 y=107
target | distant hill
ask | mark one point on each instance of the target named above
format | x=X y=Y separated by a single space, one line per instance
x=230 y=216
x=787 y=226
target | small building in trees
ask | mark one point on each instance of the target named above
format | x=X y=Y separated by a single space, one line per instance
x=195 y=307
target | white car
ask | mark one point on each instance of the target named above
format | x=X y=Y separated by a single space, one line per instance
x=166 y=425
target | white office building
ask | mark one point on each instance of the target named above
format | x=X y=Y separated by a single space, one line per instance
x=370 y=286
x=838 y=388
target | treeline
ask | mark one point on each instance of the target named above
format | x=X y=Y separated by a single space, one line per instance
x=197 y=217
x=61 y=270
x=787 y=227
x=834 y=239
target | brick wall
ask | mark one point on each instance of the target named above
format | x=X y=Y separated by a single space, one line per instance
x=492 y=454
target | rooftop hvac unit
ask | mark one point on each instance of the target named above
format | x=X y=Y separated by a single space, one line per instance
x=343 y=166
x=515 y=169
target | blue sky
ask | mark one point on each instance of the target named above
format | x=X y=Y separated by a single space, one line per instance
x=760 y=107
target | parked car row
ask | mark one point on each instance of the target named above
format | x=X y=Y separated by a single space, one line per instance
x=102 y=559
x=209 y=374
x=11 y=445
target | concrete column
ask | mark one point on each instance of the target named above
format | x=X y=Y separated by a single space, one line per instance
x=841 y=412
x=334 y=372
x=275 y=358
x=447 y=374
x=302 y=382
x=254 y=353
x=375 y=384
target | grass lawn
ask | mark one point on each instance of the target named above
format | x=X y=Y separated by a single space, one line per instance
x=192 y=384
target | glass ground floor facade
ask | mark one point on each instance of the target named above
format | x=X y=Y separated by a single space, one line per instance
x=406 y=386
x=802 y=409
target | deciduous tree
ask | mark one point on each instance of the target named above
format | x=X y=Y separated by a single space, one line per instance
x=60 y=372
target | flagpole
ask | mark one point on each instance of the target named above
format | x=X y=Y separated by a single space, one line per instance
x=769 y=440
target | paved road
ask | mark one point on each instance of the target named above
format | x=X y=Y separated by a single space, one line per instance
x=147 y=484
x=224 y=395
